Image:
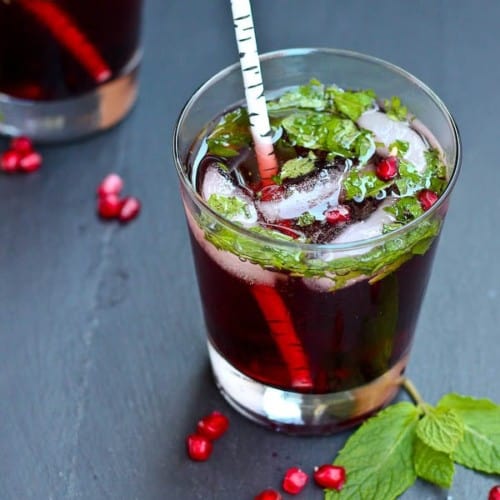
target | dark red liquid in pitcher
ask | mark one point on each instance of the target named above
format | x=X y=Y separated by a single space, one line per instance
x=55 y=49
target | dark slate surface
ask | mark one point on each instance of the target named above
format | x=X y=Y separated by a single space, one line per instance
x=103 y=368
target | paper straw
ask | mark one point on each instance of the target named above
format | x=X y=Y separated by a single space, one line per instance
x=254 y=90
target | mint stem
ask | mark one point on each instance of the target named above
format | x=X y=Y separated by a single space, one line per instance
x=412 y=391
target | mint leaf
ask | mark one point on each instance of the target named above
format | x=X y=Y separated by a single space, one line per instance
x=297 y=167
x=228 y=206
x=306 y=219
x=441 y=429
x=310 y=96
x=401 y=148
x=231 y=134
x=436 y=172
x=351 y=103
x=480 y=447
x=433 y=466
x=359 y=185
x=375 y=264
x=405 y=209
x=395 y=109
x=410 y=181
x=328 y=132
x=378 y=457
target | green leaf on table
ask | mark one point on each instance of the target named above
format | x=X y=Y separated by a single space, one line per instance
x=480 y=446
x=378 y=457
x=432 y=465
x=441 y=429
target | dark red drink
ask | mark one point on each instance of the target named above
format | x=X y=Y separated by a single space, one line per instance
x=312 y=278
x=351 y=337
x=55 y=49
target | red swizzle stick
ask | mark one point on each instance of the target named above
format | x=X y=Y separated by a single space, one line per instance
x=65 y=30
x=284 y=335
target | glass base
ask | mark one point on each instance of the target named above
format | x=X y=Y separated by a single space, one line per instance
x=66 y=119
x=303 y=414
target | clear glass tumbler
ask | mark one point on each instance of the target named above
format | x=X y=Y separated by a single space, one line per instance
x=350 y=322
x=68 y=68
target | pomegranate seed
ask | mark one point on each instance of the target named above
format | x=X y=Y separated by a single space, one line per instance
x=387 y=168
x=269 y=495
x=22 y=145
x=330 y=476
x=294 y=481
x=130 y=209
x=30 y=162
x=427 y=198
x=494 y=493
x=271 y=192
x=199 y=448
x=337 y=215
x=213 y=426
x=9 y=161
x=111 y=184
x=109 y=207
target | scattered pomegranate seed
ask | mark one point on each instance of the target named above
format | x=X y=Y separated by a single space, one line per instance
x=339 y=214
x=130 y=209
x=9 y=161
x=269 y=494
x=22 y=145
x=30 y=162
x=272 y=192
x=494 y=493
x=111 y=184
x=427 y=198
x=199 y=448
x=109 y=207
x=330 y=476
x=213 y=426
x=294 y=481
x=387 y=168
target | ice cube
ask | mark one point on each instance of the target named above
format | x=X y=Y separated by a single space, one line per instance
x=387 y=131
x=215 y=182
x=372 y=226
x=369 y=228
x=251 y=273
x=313 y=194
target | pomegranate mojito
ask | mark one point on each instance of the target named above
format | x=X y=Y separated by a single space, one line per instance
x=55 y=50
x=311 y=283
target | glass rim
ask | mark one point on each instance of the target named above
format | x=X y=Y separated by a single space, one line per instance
x=318 y=247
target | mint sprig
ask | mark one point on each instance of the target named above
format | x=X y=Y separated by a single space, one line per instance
x=388 y=452
x=379 y=464
x=376 y=264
